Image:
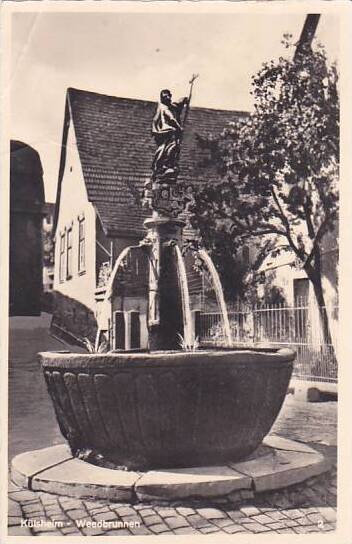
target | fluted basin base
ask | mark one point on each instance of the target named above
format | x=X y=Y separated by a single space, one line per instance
x=167 y=409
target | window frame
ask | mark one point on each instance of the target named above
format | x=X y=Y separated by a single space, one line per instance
x=69 y=251
x=81 y=244
x=62 y=259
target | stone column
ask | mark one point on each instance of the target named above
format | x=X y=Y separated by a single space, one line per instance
x=165 y=319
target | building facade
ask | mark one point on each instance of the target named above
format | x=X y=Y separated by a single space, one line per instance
x=26 y=213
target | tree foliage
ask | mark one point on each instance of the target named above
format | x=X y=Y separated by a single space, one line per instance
x=278 y=167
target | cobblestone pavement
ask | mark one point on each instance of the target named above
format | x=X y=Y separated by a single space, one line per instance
x=304 y=508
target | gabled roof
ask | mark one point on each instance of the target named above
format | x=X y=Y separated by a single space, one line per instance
x=116 y=150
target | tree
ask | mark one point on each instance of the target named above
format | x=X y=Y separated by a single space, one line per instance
x=278 y=168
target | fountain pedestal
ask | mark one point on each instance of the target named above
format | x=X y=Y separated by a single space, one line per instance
x=165 y=313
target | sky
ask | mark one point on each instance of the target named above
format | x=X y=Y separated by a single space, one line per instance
x=136 y=55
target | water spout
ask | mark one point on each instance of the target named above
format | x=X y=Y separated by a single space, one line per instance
x=188 y=332
x=109 y=287
x=219 y=293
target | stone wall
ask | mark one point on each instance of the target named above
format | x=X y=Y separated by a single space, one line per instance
x=72 y=321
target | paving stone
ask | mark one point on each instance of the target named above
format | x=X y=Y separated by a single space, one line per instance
x=159 y=528
x=328 y=513
x=132 y=520
x=147 y=512
x=48 y=499
x=328 y=527
x=282 y=469
x=185 y=531
x=25 y=465
x=232 y=529
x=152 y=520
x=52 y=510
x=14 y=508
x=12 y=487
x=222 y=522
x=70 y=504
x=262 y=518
x=79 y=479
x=23 y=496
x=105 y=516
x=235 y=514
x=92 y=531
x=277 y=525
x=285 y=531
x=176 y=522
x=315 y=518
x=124 y=510
x=141 y=506
x=256 y=527
x=99 y=510
x=142 y=530
x=209 y=529
x=280 y=443
x=14 y=520
x=291 y=522
x=310 y=510
x=292 y=514
x=211 y=513
x=45 y=529
x=250 y=510
x=94 y=504
x=183 y=510
x=77 y=514
x=197 y=521
x=35 y=509
x=306 y=529
x=303 y=521
x=189 y=482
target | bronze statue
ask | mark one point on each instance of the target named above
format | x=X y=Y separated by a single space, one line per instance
x=167 y=131
x=162 y=192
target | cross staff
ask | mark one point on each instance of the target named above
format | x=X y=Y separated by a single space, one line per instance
x=191 y=82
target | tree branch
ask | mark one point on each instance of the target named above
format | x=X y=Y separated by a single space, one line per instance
x=319 y=235
x=307 y=211
x=286 y=225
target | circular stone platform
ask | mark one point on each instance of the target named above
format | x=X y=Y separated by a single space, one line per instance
x=277 y=463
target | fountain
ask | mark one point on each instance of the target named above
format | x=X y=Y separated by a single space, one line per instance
x=167 y=407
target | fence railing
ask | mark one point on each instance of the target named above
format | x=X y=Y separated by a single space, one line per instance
x=298 y=327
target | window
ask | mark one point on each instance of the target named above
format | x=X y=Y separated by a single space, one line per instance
x=81 y=246
x=69 y=254
x=62 y=258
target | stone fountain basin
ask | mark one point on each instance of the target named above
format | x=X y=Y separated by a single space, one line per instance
x=167 y=409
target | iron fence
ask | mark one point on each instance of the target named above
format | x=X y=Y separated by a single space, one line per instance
x=298 y=327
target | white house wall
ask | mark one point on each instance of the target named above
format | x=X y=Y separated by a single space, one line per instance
x=74 y=204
